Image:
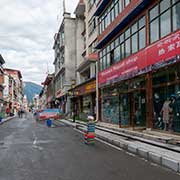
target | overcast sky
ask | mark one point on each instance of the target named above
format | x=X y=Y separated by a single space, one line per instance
x=27 y=29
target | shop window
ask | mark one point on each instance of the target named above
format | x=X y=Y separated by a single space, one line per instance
x=160 y=77
x=165 y=21
x=110 y=105
x=176 y=17
x=178 y=72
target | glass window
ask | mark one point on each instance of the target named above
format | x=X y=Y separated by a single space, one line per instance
x=134 y=43
x=142 y=22
x=117 y=54
x=122 y=38
x=126 y=2
x=154 y=30
x=122 y=51
x=108 y=19
x=120 y=5
x=116 y=10
x=108 y=59
x=112 y=45
x=134 y=28
x=104 y=62
x=112 y=14
x=174 y=1
x=176 y=17
x=100 y=65
x=142 y=38
x=153 y=12
x=127 y=48
x=164 y=5
x=165 y=21
x=117 y=42
x=127 y=33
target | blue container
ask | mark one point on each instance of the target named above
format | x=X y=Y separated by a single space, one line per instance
x=1 y=119
x=49 y=122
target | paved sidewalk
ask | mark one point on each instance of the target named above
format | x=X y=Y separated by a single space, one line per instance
x=158 y=155
x=6 y=119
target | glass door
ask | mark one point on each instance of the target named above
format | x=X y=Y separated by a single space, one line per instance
x=139 y=108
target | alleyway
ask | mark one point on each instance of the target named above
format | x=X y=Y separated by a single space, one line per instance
x=31 y=151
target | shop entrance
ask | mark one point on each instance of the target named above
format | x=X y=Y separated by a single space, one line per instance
x=138 y=109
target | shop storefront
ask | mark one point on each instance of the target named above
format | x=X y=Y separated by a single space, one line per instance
x=143 y=91
x=85 y=99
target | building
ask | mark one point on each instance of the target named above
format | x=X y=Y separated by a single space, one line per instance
x=49 y=92
x=85 y=88
x=139 y=68
x=2 y=111
x=67 y=46
x=13 y=89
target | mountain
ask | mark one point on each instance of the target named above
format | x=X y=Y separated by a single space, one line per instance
x=31 y=89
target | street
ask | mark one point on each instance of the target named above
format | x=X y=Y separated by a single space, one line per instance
x=31 y=151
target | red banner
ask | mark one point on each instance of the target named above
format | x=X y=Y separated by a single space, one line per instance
x=162 y=51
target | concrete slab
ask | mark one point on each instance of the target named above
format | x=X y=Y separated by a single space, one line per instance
x=155 y=158
x=170 y=163
x=132 y=148
x=143 y=153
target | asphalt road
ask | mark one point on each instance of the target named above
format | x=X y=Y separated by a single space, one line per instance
x=32 y=151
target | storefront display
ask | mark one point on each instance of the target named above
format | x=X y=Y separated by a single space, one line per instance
x=110 y=105
x=165 y=87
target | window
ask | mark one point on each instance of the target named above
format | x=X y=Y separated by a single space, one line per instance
x=126 y=2
x=130 y=41
x=176 y=17
x=117 y=54
x=165 y=24
x=111 y=13
x=134 y=43
x=154 y=30
x=164 y=19
x=142 y=38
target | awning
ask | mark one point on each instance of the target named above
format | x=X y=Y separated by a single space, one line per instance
x=123 y=23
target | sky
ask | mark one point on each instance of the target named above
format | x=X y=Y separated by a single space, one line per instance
x=27 y=29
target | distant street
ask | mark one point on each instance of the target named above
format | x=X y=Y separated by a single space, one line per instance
x=32 y=151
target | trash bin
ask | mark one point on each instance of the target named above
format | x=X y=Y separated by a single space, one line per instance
x=49 y=122
x=1 y=119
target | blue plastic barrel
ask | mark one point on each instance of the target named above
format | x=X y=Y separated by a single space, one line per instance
x=49 y=122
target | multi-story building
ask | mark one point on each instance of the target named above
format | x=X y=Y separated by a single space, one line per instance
x=48 y=89
x=85 y=89
x=1 y=86
x=14 y=89
x=66 y=46
x=139 y=69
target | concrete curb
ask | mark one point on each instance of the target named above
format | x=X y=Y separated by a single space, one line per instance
x=147 y=154
x=7 y=119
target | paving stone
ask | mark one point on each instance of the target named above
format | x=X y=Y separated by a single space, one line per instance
x=132 y=148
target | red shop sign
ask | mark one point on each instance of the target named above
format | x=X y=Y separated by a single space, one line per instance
x=161 y=51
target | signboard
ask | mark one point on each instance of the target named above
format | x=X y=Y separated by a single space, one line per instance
x=86 y=88
x=158 y=54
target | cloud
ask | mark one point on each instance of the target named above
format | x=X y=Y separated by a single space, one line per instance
x=26 y=34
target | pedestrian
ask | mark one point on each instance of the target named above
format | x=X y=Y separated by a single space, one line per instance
x=8 y=111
